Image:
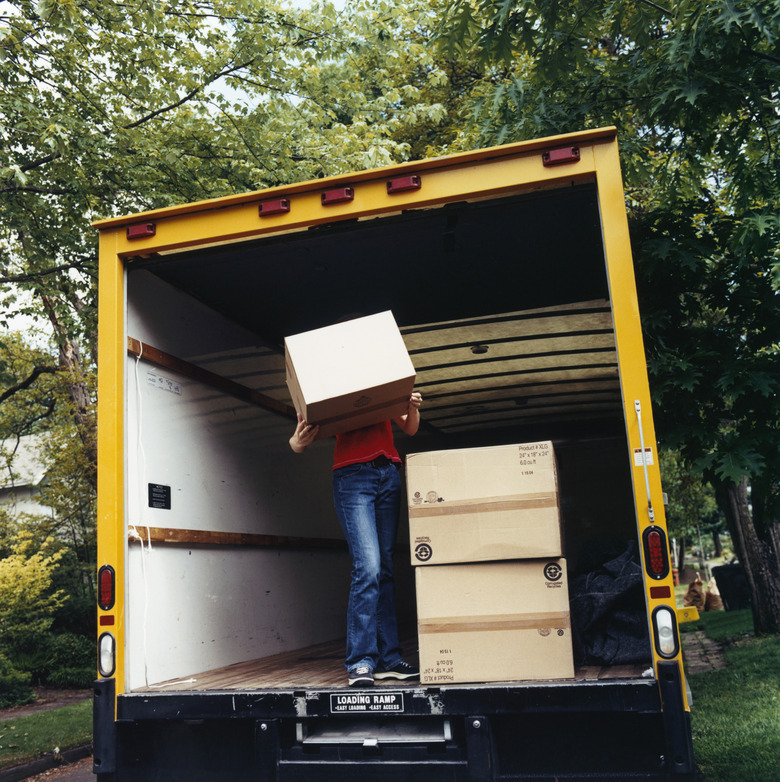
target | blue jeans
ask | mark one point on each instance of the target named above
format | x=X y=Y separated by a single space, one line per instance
x=367 y=500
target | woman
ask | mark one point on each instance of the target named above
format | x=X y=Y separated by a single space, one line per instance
x=367 y=497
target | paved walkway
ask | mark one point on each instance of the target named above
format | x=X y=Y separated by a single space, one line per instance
x=700 y=653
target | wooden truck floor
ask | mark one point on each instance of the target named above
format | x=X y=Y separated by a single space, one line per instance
x=322 y=666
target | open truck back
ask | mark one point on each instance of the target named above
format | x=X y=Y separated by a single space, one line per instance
x=223 y=572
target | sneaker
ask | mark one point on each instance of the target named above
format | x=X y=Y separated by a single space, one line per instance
x=361 y=677
x=401 y=671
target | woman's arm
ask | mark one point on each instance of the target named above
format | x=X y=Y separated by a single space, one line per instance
x=410 y=422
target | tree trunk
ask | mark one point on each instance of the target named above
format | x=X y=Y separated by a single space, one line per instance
x=758 y=549
x=717 y=543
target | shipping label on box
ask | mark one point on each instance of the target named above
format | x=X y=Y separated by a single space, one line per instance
x=483 y=504
x=349 y=375
x=494 y=621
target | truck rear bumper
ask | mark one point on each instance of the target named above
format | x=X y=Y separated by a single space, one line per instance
x=476 y=733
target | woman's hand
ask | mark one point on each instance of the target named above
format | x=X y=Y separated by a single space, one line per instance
x=303 y=436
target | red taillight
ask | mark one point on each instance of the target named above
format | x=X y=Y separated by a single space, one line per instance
x=106 y=587
x=656 y=553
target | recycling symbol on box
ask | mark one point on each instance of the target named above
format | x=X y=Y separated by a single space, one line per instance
x=423 y=552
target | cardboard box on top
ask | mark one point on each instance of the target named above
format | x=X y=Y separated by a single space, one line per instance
x=349 y=375
x=483 y=504
x=494 y=621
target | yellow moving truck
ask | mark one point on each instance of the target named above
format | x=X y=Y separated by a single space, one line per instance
x=223 y=574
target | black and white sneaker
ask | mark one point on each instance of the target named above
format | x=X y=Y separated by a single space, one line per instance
x=361 y=677
x=402 y=671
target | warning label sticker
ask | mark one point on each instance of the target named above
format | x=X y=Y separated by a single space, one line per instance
x=648 y=454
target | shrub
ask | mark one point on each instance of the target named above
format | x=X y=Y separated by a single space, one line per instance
x=71 y=662
x=71 y=678
x=15 y=689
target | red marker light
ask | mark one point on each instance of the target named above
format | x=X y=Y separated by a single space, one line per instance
x=106 y=587
x=141 y=231
x=339 y=195
x=656 y=553
x=556 y=157
x=404 y=184
x=276 y=206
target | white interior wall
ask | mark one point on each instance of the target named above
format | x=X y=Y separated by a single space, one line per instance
x=230 y=469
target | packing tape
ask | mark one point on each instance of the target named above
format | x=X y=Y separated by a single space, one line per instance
x=485 y=504
x=465 y=624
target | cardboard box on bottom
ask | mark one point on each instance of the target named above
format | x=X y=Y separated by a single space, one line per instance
x=483 y=504
x=494 y=621
x=349 y=375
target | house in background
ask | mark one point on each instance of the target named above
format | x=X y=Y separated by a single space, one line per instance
x=22 y=474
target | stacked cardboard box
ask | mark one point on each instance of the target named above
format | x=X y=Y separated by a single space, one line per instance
x=492 y=593
x=350 y=374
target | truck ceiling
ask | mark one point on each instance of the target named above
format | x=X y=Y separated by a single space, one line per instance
x=503 y=303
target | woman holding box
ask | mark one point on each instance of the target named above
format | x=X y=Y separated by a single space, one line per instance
x=367 y=496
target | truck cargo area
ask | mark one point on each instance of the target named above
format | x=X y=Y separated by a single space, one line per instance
x=508 y=323
x=236 y=573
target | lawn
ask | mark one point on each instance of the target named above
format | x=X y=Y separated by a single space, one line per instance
x=736 y=710
x=47 y=732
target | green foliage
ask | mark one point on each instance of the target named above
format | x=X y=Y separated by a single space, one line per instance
x=693 y=93
x=15 y=689
x=67 y=492
x=28 y=377
x=27 y=603
x=72 y=662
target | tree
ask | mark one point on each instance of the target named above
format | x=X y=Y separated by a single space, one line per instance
x=45 y=408
x=693 y=91
x=112 y=108
x=691 y=504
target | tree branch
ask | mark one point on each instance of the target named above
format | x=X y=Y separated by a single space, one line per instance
x=36 y=275
x=44 y=190
x=27 y=382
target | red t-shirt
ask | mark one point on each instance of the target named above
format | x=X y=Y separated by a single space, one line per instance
x=364 y=445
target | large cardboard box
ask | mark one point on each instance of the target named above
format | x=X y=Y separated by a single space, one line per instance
x=350 y=374
x=482 y=504
x=494 y=621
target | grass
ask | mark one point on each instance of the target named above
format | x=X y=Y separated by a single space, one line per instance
x=28 y=738
x=722 y=626
x=736 y=710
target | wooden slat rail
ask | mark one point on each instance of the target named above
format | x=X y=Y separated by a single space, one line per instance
x=162 y=359
x=196 y=537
